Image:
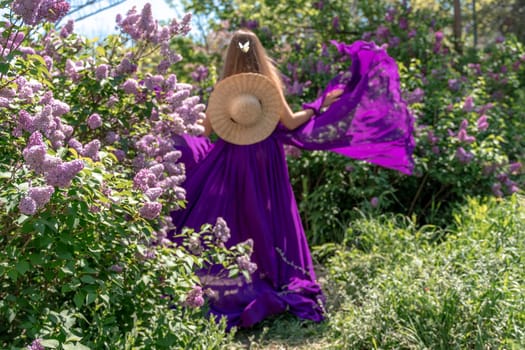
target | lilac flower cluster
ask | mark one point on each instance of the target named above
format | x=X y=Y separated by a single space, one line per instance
x=150 y=210
x=56 y=172
x=505 y=183
x=143 y=27
x=245 y=264
x=200 y=73
x=221 y=230
x=47 y=120
x=195 y=297
x=36 y=345
x=36 y=199
x=36 y=11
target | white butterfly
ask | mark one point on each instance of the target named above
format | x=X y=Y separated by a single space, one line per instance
x=244 y=47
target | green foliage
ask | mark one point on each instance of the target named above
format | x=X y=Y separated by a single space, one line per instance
x=391 y=285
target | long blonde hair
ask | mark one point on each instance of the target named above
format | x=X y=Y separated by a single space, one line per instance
x=255 y=60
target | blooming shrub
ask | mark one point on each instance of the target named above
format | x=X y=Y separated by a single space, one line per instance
x=89 y=175
x=469 y=107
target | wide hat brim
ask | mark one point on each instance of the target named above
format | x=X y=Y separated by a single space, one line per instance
x=244 y=84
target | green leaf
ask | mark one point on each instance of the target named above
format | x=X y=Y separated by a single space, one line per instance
x=105 y=298
x=50 y=343
x=79 y=299
x=22 y=266
x=13 y=275
x=76 y=346
x=72 y=338
x=4 y=67
x=88 y=279
x=90 y=297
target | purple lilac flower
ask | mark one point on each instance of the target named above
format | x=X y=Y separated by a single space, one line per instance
x=390 y=14
x=464 y=137
x=117 y=268
x=496 y=189
x=75 y=144
x=102 y=72
x=53 y=10
x=195 y=298
x=91 y=150
x=194 y=245
x=153 y=193
x=126 y=67
x=67 y=30
x=163 y=66
x=453 y=84
x=468 y=105
x=374 y=202
x=416 y=96
x=382 y=32
x=482 y=123
x=318 y=5
x=412 y=33
x=144 y=179
x=36 y=345
x=172 y=156
x=28 y=10
x=366 y=36
x=62 y=175
x=432 y=138
x=157 y=169
x=5 y=102
x=403 y=23
x=27 y=206
x=221 y=230
x=25 y=93
x=94 y=121
x=200 y=73
x=439 y=39
x=245 y=264
x=515 y=167
x=500 y=39
x=130 y=86
x=120 y=154
x=41 y=195
x=436 y=150
x=112 y=101
x=26 y=121
x=34 y=157
x=147 y=25
x=57 y=137
x=394 y=41
x=59 y=108
x=150 y=210
x=335 y=23
x=292 y=151
x=463 y=156
x=111 y=137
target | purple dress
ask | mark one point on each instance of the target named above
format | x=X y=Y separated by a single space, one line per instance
x=249 y=186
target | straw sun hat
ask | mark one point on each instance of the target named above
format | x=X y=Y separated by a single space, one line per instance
x=244 y=108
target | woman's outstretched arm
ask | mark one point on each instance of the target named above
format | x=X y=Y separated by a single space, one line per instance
x=292 y=120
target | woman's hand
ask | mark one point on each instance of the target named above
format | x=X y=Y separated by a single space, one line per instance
x=331 y=97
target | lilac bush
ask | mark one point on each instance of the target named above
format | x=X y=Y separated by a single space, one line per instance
x=89 y=175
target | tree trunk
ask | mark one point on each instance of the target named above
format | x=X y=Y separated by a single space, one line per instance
x=457 y=25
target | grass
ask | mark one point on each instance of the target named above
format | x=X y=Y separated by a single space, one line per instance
x=392 y=285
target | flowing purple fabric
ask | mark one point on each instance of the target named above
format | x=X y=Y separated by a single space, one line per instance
x=249 y=187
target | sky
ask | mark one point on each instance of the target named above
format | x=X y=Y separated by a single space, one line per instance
x=103 y=23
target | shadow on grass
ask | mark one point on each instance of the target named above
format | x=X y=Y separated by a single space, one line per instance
x=284 y=331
